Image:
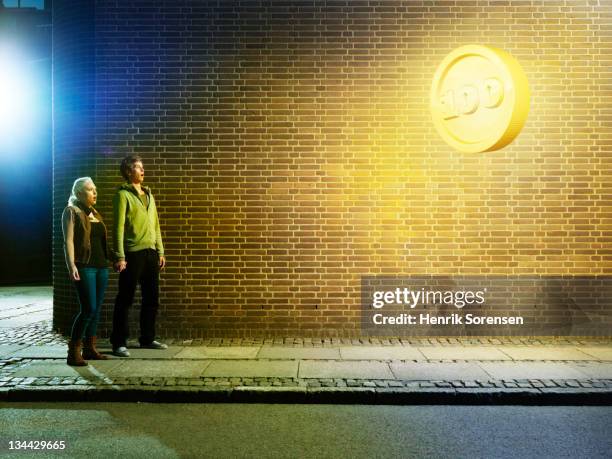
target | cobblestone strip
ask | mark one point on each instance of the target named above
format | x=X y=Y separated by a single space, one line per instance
x=8 y=381
x=33 y=334
x=42 y=333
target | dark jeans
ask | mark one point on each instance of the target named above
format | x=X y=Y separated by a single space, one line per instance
x=90 y=290
x=142 y=268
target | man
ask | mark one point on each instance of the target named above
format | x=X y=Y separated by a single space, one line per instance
x=139 y=256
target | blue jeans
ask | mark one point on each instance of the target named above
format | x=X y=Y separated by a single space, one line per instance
x=90 y=290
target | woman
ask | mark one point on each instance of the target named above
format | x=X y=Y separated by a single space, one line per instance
x=87 y=258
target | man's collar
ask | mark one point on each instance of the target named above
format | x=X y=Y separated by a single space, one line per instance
x=143 y=187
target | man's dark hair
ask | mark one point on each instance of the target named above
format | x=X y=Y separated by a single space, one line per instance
x=127 y=165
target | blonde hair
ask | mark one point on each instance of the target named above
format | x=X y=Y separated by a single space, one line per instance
x=77 y=187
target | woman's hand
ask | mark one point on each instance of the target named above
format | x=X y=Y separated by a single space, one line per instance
x=74 y=273
x=120 y=265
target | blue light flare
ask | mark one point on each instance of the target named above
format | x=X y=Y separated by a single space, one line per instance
x=23 y=102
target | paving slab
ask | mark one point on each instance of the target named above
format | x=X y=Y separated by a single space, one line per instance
x=41 y=369
x=298 y=353
x=145 y=354
x=24 y=310
x=422 y=371
x=531 y=370
x=60 y=369
x=8 y=349
x=598 y=352
x=218 y=352
x=359 y=369
x=595 y=370
x=159 y=368
x=28 y=319
x=545 y=353
x=99 y=366
x=463 y=353
x=381 y=353
x=16 y=303
x=252 y=368
x=11 y=297
x=42 y=352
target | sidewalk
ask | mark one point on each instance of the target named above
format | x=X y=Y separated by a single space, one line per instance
x=300 y=370
x=318 y=372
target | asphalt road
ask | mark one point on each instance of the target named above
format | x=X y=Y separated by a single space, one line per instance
x=335 y=431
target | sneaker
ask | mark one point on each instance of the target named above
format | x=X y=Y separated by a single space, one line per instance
x=121 y=351
x=154 y=345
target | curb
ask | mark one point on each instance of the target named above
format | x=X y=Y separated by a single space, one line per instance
x=318 y=395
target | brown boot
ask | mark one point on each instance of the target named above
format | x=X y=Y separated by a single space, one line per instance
x=89 y=350
x=74 y=354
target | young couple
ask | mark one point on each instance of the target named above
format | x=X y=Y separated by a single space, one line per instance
x=138 y=255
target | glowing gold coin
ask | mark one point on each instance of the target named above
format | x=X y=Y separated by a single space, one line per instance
x=479 y=98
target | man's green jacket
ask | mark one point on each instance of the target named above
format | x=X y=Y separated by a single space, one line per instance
x=135 y=227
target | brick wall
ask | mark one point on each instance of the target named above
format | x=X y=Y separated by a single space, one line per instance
x=291 y=151
x=73 y=75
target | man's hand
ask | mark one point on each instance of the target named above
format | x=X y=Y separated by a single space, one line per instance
x=162 y=262
x=120 y=265
x=73 y=272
